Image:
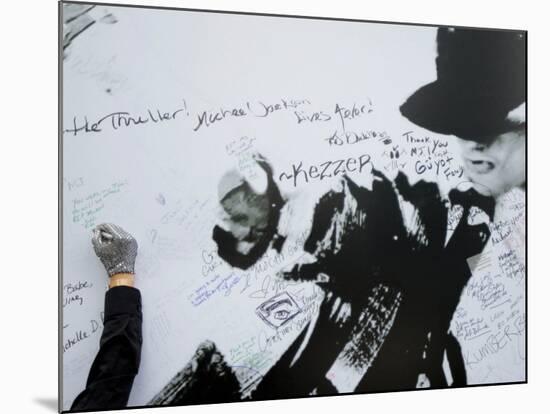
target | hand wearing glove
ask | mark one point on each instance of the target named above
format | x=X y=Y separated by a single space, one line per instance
x=116 y=248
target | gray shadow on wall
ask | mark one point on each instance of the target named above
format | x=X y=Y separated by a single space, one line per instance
x=49 y=403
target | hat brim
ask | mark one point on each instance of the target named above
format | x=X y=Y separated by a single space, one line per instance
x=440 y=109
x=429 y=107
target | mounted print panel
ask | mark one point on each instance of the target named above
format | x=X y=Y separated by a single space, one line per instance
x=304 y=207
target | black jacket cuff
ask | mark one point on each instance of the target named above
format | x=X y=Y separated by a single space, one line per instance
x=122 y=300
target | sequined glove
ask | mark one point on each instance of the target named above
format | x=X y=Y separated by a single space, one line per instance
x=115 y=247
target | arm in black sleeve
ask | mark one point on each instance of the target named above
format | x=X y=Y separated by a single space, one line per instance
x=117 y=362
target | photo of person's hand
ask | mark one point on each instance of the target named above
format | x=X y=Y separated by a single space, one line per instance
x=115 y=247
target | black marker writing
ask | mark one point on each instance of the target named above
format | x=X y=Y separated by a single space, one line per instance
x=325 y=169
x=118 y=120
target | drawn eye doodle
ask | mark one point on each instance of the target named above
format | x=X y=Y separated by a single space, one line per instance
x=278 y=310
x=281 y=314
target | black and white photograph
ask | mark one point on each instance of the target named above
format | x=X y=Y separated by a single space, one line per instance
x=260 y=207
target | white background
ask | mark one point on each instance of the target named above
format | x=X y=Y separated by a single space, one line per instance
x=29 y=211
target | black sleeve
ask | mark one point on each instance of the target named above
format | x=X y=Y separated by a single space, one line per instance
x=117 y=362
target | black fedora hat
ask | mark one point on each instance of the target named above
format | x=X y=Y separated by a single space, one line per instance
x=480 y=79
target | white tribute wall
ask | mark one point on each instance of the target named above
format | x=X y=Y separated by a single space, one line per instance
x=159 y=104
